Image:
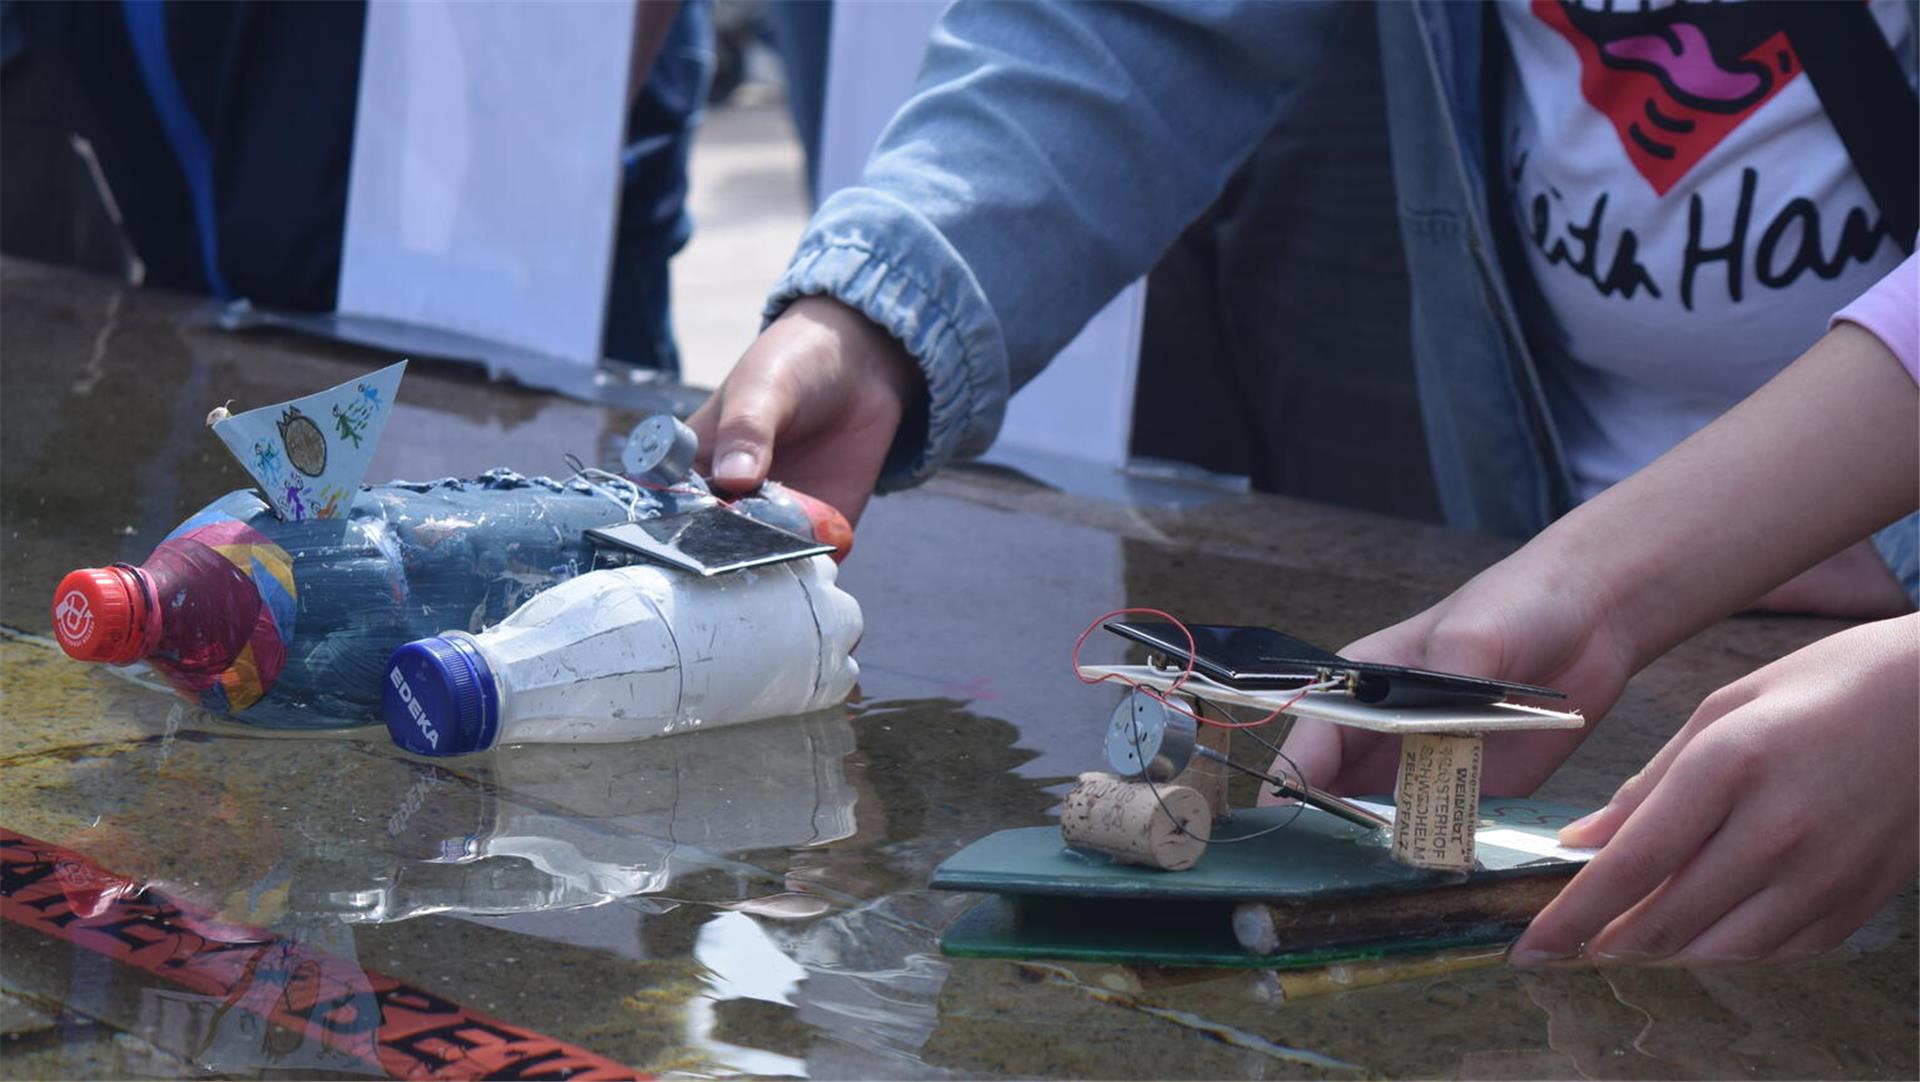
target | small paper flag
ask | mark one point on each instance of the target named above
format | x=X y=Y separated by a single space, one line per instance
x=309 y=455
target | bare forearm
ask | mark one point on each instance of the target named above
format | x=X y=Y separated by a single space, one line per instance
x=1822 y=455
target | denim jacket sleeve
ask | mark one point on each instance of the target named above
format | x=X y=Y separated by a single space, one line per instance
x=1049 y=154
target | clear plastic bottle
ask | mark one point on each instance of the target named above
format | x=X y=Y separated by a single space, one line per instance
x=290 y=624
x=631 y=652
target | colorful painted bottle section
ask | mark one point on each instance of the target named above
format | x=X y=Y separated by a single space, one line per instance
x=628 y=653
x=290 y=624
x=213 y=609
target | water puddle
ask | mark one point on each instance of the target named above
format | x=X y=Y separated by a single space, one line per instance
x=738 y=901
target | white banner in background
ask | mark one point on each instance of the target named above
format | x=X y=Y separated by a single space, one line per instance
x=485 y=183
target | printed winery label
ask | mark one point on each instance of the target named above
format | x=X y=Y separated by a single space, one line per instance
x=1437 y=800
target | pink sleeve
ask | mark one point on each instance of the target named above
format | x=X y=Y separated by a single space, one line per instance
x=1891 y=310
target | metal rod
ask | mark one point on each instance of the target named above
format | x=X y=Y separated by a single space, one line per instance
x=1304 y=793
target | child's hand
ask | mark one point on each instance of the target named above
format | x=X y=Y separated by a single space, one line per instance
x=1527 y=619
x=815 y=402
x=1781 y=817
x=1821 y=456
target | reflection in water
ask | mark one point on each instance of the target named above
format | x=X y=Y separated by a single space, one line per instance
x=752 y=899
x=1745 y=1022
x=932 y=777
x=741 y=962
x=543 y=827
x=339 y=830
x=229 y=1040
x=323 y=840
x=808 y=839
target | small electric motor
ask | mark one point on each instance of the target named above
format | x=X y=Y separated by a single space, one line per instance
x=660 y=450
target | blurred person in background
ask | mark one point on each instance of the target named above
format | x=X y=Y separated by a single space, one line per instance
x=223 y=134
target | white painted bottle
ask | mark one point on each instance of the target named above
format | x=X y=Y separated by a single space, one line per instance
x=627 y=653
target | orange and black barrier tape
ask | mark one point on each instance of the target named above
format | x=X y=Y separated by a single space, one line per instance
x=403 y=1030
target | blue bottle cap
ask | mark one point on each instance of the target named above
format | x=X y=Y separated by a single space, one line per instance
x=439 y=697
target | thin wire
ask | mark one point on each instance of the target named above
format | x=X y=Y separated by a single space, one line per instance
x=1209 y=839
x=1299 y=778
x=1140 y=752
x=584 y=473
x=611 y=485
x=1270 y=746
x=1165 y=698
x=625 y=490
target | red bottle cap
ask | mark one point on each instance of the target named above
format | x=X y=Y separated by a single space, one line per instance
x=101 y=614
x=830 y=527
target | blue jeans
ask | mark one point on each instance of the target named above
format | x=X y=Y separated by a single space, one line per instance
x=1899 y=546
x=654 y=223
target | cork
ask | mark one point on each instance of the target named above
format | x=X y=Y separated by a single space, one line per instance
x=1437 y=801
x=1124 y=820
x=1209 y=779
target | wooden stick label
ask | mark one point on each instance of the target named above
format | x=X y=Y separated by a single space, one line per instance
x=1437 y=801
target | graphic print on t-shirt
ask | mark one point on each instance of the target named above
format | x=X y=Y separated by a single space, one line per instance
x=1675 y=81
x=1741 y=178
x=1688 y=213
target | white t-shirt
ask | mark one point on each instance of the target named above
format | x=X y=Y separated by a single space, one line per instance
x=1687 y=210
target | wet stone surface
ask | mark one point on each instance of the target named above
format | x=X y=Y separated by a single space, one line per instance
x=753 y=899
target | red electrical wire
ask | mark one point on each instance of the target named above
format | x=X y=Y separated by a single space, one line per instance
x=1165 y=697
